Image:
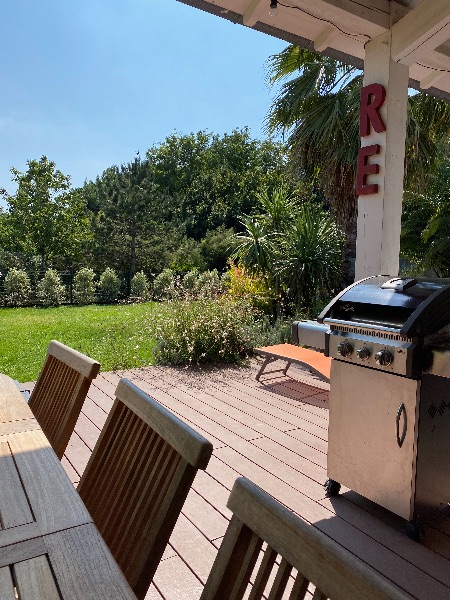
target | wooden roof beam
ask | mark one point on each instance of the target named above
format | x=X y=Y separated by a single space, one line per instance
x=431 y=79
x=420 y=31
x=323 y=40
x=250 y=16
x=356 y=12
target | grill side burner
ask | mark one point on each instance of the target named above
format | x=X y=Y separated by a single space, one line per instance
x=390 y=393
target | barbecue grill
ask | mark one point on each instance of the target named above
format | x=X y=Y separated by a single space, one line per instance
x=389 y=427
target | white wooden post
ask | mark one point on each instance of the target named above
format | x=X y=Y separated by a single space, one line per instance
x=379 y=214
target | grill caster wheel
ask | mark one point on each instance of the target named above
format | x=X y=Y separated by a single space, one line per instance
x=332 y=487
x=415 y=531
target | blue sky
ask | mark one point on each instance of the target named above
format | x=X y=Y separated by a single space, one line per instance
x=91 y=82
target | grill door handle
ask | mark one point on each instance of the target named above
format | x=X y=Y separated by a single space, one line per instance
x=401 y=438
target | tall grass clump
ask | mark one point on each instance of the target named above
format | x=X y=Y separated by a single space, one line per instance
x=205 y=331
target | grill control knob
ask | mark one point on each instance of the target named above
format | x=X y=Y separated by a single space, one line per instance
x=384 y=358
x=344 y=349
x=363 y=353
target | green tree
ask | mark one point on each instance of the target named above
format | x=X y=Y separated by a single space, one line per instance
x=217 y=246
x=132 y=223
x=109 y=285
x=84 y=286
x=140 y=287
x=317 y=107
x=212 y=179
x=256 y=247
x=50 y=291
x=46 y=217
x=155 y=212
x=17 y=287
x=425 y=241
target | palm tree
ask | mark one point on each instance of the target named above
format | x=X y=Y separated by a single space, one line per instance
x=296 y=247
x=309 y=258
x=257 y=243
x=426 y=223
x=317 y=107
x=255 y=247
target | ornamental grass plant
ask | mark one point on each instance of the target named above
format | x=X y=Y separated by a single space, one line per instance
x=205 y=331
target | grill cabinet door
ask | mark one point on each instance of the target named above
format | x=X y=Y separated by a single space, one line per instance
x=433 y=463
x=364 y=452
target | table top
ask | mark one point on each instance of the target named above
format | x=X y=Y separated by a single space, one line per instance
x=47 y=538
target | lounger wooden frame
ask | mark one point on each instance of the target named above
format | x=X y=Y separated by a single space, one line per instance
x=59 y=393
x=137 y=480
x=292 y=553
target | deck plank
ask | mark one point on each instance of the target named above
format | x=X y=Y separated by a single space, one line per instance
x=176 y=581
x=193 y=547
x=274 y=432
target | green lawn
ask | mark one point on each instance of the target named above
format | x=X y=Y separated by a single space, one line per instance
x=113 y=335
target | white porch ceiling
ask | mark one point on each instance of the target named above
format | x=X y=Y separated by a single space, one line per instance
x=340 y=29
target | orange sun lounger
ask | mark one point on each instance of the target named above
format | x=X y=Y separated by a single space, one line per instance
x=315 y=362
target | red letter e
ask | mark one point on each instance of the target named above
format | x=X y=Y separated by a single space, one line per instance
x=364 y=169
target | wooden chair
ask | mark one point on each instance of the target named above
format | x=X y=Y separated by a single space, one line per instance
x=283 y=557
x=59 y=393
x=137 y=480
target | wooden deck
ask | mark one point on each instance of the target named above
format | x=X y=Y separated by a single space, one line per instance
x=275 y=433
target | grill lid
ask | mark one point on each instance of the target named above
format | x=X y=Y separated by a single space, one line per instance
x=413 y=307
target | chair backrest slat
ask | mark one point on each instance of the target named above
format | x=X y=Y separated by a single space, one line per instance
x=300 y=588
x=59 y=393
x=137 y=480
x=263 y=574
x=296 y=554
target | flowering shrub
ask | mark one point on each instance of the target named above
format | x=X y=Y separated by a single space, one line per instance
x=140 y=286
x=204 y=331
x=109 y=285
x=84 y=286
x=240 y=283
x=50 y=290
x=194 y=285
x=17 y=287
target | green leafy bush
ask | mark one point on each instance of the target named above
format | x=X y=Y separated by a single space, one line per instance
x=205 y=331
x=217 y=246
x=50 y=290
x=84 y=286
x=189 y=281
x=208 y=284
x=140 y=286
x=164 y=285
x=109 y=285
x=17 y=287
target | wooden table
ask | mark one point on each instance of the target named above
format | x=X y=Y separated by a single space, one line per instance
x=49 y=547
